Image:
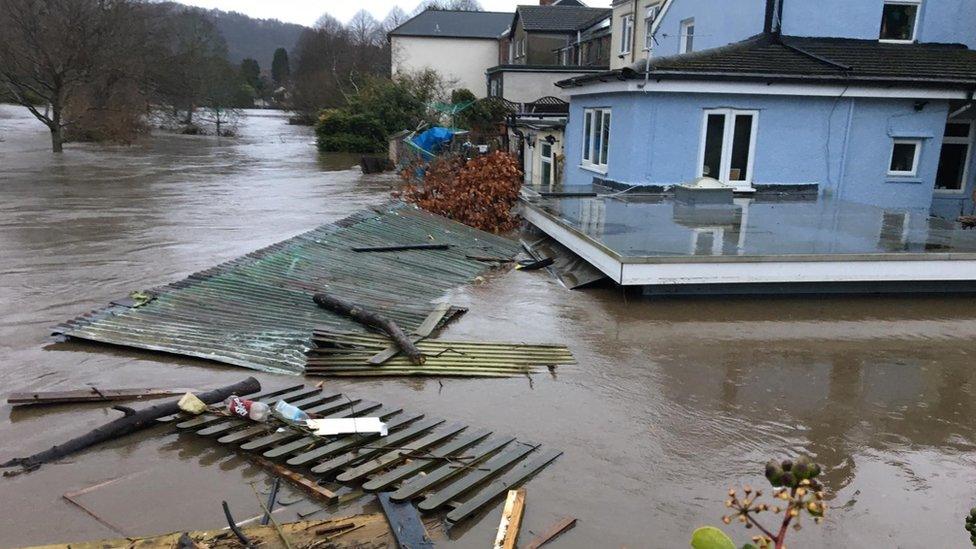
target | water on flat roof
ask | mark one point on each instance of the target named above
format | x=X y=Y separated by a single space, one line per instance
x=660 y=226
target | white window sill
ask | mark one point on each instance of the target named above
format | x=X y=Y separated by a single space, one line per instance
x=951 y=193
x=895 y=178
x=593 y=168
x=893 y=41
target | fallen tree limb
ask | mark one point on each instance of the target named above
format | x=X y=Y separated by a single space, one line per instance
x=368 y=318
x=132 y=421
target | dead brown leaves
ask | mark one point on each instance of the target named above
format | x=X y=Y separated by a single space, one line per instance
x=480 y=192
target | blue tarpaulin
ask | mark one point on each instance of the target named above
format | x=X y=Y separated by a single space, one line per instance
x=431 y=141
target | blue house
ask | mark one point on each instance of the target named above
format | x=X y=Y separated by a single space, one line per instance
x=863 y=101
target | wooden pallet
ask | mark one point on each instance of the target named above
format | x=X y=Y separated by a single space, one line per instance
x=442 y=465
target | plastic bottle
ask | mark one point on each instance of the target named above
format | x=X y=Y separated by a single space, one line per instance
x=289 y=412
x=255 y=411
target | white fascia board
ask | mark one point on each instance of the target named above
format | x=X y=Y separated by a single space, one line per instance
x=762 y=88
x=894 y=270
x=581 y=246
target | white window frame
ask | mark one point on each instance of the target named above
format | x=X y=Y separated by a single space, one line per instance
x=725 y=165
x=543 y=160
x=683 y=44
x=918 y=155
x=918 y=16
x=650 y=15
x=595 y=140
x=626 y=33
x=968 y=141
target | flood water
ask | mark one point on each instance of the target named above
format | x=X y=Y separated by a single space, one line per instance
x=671 y=401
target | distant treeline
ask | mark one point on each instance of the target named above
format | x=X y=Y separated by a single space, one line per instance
x=107 y=69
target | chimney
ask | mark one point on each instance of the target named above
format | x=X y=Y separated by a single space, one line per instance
x=774 y=16
x=546 y=2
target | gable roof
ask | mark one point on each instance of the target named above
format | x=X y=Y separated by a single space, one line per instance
x=559 y=18
x=569 y=3
x=768 y=56
x=455 y=24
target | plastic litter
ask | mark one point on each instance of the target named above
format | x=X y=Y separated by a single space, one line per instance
x=256 y=411
x=190 y=404
x=341 y=426
x=290 y=413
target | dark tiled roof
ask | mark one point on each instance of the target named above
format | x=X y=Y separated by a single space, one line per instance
x=455 y=24
x=560 y=18
x=817 y=59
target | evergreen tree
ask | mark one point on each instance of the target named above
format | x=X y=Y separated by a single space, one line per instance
x=280 y=69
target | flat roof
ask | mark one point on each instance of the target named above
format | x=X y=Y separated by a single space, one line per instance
x=656 y=239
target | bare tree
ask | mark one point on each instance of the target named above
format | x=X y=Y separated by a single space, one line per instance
x=459 y=5
x=50 y=49
x=365 y=30
x=328 y=23
x=394 y=19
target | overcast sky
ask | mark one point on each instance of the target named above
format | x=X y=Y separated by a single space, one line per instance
x=305 y=12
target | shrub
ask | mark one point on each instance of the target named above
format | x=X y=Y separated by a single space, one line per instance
x=480 y=192
x=340 y=130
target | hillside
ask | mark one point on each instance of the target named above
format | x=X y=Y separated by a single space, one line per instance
x=249 y=37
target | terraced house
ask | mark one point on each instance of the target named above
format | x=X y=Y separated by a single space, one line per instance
x=867 y=100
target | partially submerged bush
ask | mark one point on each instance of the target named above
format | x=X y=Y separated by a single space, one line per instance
x=480 y=192
x=340 y=130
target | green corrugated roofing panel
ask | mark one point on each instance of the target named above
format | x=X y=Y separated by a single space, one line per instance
x=257 y=311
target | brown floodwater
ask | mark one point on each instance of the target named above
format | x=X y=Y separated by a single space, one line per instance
x=671 y=401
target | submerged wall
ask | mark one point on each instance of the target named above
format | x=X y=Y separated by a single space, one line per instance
x=841 y=144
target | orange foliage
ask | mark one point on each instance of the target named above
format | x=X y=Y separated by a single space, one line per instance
x=480 y=192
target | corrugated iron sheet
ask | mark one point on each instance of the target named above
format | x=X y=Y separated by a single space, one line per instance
x=257 y=311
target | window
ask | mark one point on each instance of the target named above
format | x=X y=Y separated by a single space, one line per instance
x=511 y=51
x=904 y=158
x=596 y=138
x=728 y=146
x=899 y=20
x=954 y=158
x=626 y=33
x=649 y=16
x=493 y=88
x=546 y=170
x=687 y=36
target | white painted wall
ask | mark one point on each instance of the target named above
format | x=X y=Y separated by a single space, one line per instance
x=462 y=59
x=523 y=87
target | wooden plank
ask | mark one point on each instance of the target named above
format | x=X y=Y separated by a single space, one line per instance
x=390 y=458
x=259 y=396
x=350 y=441
x=203 y=419
x=551 y=533
x=420 y=464
x=382 y=443
x=464 y=484
x=288 y=434
x=92 y=394
x=408 y=530
x=422 y=331
x=234 y=423
x=403 y=248
x=414 y=487
x=510 y=479
x=508 y=528
x=307 y=485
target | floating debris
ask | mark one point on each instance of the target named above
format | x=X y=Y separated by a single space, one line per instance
x=370 y=530
x=92 y=394
x=256 y=311
x=349 y=354
x=448 y=465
